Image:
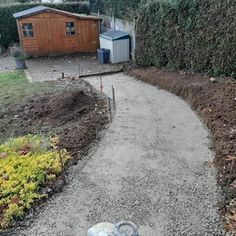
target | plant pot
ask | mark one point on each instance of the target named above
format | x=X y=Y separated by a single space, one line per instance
x=20 y=64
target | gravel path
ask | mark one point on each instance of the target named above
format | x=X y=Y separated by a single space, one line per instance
x=150 y=167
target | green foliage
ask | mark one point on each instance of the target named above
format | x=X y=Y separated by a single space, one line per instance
x=14 y=87
x=8 y=28
x=26 y=164
x=123 y=9
x=19 y=55
x=188 y=34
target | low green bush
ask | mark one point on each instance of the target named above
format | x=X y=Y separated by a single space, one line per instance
x=8 y=28
x=19 y=56
x=188 y=34
x=26 y=164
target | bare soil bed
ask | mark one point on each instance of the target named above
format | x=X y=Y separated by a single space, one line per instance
x=214 y=100
x=74 y=112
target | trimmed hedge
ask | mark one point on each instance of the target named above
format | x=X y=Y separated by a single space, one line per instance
x=8 y=28
x=188 y=34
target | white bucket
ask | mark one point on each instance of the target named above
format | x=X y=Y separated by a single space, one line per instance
x=123 y=228
x=102 y=229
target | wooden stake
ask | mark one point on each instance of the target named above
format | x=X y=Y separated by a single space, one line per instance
x=62 y=166
x=101 y=85
x=113 y=97
x=229 y=178
x=109 y=101
x=79 y=68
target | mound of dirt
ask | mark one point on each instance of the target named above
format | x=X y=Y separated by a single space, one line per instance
x=74 y=115
x=215 y=101
x=58 y=109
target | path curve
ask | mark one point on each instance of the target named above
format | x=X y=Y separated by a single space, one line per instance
x=150 y=167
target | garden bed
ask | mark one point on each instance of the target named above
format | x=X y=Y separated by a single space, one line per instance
x=214 y=100
x=68 y=109
x=26 y=165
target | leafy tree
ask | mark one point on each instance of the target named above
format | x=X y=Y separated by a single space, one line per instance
x=120 y=8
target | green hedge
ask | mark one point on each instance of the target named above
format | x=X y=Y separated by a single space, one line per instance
x=188 y=34
x=123 y=9
x=8 y=28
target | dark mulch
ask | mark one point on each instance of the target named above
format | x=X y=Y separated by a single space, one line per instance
x=215 y=102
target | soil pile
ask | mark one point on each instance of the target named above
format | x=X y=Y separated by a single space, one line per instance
x=74 y=115
x=215 y=101
x=58 y=109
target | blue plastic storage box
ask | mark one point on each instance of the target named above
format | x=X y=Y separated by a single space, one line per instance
x=103 y=55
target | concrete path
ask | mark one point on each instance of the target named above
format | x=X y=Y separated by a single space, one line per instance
x=7 y=63
x=51 y=68
x=151 y=167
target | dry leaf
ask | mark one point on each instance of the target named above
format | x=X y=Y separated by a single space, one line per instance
x=3 y=155
x=229 y=227
x=211 y=164
x=230 y=158
x=15 y=200
x=232 y=217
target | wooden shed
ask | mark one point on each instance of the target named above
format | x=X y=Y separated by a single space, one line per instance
x=47 y=31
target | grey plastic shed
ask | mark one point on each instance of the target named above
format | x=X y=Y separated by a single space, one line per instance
x=118 y=42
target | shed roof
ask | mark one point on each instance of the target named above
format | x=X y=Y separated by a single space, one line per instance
x=30 y=11
x=40 y=9
x=115 y=35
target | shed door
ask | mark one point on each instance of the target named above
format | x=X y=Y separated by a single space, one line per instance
x=50 y=35
x=88 y=35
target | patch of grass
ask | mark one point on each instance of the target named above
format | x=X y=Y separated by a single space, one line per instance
x=26 y=164
x=15 y=88
x=10 y=84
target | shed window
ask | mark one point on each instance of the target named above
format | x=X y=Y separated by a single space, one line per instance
x=28 y=29
x=70 y=28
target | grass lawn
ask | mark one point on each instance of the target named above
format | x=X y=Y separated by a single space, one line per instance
x=15 y=88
